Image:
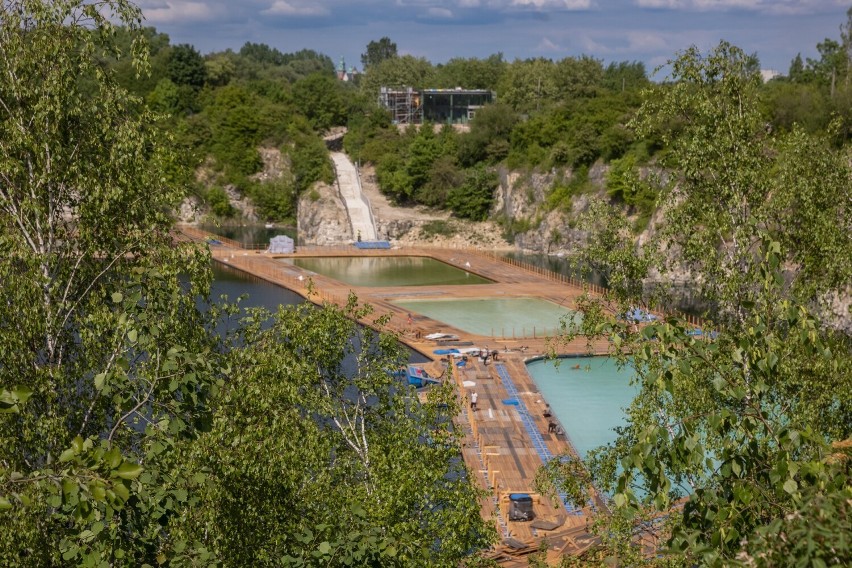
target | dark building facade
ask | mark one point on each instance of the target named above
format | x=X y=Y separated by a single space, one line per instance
x=441 y=106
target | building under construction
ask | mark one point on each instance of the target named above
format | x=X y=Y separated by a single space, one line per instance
x=444 y=106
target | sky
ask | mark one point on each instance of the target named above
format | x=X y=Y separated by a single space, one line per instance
x=651 y=31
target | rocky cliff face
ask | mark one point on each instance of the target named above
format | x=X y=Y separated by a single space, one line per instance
x=522 y=197
x=322 y=220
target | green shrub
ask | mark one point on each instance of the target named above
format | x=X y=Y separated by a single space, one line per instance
x=275 y=200
x=309 y=161
x=219 y=203
x=438 y=228
x=473 y=199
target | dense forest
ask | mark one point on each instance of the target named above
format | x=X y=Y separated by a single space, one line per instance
x=566 y=114
x=146 y=423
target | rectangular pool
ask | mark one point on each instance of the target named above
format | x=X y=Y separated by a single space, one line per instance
x=388 y=271
x=494 y=317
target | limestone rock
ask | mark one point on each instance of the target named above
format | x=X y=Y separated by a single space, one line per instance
x=190 y=210
x=322 y=221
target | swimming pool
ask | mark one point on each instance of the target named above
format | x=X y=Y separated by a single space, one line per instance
x=494 y=317
x=589 y=400
x=388 y=271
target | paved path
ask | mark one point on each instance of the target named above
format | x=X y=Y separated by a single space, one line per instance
x=350 y=190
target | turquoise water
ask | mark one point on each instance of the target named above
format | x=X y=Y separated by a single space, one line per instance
x=588 y=401
x=388 y=271
x=494 y=317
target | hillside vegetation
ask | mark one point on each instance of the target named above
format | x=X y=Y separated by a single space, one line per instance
x=550 y=116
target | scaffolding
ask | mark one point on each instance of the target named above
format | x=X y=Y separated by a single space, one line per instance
x=404 y=104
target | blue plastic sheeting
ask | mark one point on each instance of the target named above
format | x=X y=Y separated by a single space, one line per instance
x=638 y=315
x=372 y=245
x=511 y=401
x=445 y=351
x=698 y=332
x=529 y=424
x=461 y=363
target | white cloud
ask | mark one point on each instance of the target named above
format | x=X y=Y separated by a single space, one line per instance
x=546 y=45
x=558 y=4
x=436 y=12
x=297 y=8
x=660 y=3
x=177 y=12
x=500 y=4
x=646 y=41
x=765 y=6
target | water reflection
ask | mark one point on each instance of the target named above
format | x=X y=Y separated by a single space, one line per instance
x=389 y=271
x=559 y=265
x=250 y=236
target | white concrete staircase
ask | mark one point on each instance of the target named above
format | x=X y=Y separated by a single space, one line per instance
x=357 y=206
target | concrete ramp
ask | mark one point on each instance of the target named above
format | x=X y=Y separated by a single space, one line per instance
x=357 y=206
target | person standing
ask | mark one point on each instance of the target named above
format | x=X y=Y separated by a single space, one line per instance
x=473 y=397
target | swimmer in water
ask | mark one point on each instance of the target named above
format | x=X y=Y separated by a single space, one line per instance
x=576 y=367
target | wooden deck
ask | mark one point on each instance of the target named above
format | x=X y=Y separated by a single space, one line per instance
x=502 y=442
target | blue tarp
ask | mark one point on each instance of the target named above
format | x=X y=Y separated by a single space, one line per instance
x=698 y=332
x=418 y=377
x=639 y=315
x=372 y=245
x=445 y=351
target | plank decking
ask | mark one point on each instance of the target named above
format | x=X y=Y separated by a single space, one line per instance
x=502 y=444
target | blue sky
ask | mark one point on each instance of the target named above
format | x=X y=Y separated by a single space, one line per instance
x=651 y=31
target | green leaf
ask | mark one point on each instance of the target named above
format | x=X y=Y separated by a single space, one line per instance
x=67 y=455
x=5 y=504
x=117 y=297
x=324 y=547
x=121 y=491
x=790 y=486
x=99 y=381
x=132 y=335
x=128 y=470
x=23 y=394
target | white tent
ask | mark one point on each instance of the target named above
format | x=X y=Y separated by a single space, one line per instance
x=281 y=244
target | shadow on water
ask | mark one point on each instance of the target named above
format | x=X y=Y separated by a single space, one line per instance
x=559 y=265
x=683 y=297
x=262 y=294
x=250 y=236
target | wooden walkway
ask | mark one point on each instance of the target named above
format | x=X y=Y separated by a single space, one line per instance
x=503 y=443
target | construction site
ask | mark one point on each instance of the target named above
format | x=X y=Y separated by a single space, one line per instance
x=439 y=106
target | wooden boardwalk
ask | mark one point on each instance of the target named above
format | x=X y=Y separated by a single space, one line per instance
x=503 y=443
